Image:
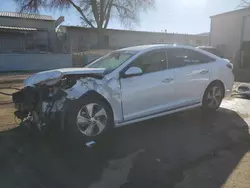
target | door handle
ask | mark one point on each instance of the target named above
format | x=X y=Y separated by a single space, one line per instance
x=167 y=80
x=204 y=72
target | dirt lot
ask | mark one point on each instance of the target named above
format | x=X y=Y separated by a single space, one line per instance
x=186 y=149
x=13 y=78
x=7 y=118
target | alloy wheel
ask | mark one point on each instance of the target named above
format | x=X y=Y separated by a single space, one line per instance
x=214 y=97
x=92 y=119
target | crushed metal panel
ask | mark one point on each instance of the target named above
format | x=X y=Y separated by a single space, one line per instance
x=45 y=76
x=109 y=89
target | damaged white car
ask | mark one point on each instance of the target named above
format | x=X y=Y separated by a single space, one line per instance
x=123 y=87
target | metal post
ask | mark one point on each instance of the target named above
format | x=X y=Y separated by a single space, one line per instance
x=48 y=41
x=210 y=33
x=242 y=59
x=34 y=40
x=25 y=40
x=241 y=42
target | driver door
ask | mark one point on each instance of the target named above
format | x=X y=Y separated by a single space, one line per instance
x=149 y=93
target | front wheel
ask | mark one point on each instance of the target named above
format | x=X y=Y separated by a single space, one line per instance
x=89 y=119
x=213 y=97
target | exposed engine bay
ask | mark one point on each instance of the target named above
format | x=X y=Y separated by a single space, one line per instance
x=35 y=104
x=39 y=104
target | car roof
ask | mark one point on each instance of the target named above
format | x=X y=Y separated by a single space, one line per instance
x=153 y=46
x=208 y=47
x=148 y=48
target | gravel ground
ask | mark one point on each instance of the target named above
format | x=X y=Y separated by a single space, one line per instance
x=187 y=149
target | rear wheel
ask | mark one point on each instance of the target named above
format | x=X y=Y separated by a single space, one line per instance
x=213 y=97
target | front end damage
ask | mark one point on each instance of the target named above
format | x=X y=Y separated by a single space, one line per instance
x=38 y=105
x=46 y=98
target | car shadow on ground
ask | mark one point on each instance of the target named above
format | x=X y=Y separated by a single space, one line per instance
x=153 y=153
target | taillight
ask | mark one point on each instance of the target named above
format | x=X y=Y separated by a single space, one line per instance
x=230 y=66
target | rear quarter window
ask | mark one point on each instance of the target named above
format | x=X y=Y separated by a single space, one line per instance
x=179 y=57
x=213 y=51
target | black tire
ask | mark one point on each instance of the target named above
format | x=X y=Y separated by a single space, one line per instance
x=72 y=129
x=206 y=102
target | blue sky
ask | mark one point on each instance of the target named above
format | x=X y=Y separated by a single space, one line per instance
x=179 y=16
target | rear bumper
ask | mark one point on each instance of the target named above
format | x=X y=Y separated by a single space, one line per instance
x=228 y=93
x=229 y=83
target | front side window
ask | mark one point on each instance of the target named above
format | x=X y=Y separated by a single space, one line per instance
x=111 y=61
x=179 y=57
x=151 y=62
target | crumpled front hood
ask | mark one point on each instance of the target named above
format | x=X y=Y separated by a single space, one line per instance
x=53 y=76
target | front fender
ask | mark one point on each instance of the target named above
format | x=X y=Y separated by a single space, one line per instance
x=109 y=89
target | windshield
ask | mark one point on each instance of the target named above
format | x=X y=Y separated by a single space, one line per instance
x=111 y=61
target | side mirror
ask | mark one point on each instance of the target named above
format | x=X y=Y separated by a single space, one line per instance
x=133 y=71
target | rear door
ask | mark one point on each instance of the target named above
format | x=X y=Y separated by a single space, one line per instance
x=192 y=74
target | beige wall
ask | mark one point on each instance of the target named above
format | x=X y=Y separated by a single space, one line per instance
x=226 y=32
x=78 y=38
x=246 y=28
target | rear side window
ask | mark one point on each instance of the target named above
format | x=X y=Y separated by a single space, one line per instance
x=213 y=51
x=179 y=57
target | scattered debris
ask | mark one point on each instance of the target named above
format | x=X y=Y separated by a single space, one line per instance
x=90 y=144
x=158 y=160
x=209 y=177
x=243 y=90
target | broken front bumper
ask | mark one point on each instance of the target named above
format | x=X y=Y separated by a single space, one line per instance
x=38 y=106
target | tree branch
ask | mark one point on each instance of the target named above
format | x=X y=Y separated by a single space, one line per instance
x=102 y=15
x=244 y=4
x=107 y=5
x=108 y=13
x=95 y=11
x=27 y=6
x=30 y=5
x=80 y=11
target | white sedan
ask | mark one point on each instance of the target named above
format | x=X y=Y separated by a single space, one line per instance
x=123 y=87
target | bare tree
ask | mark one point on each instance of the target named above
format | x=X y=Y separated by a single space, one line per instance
x=94 y=13
x=244 y=3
